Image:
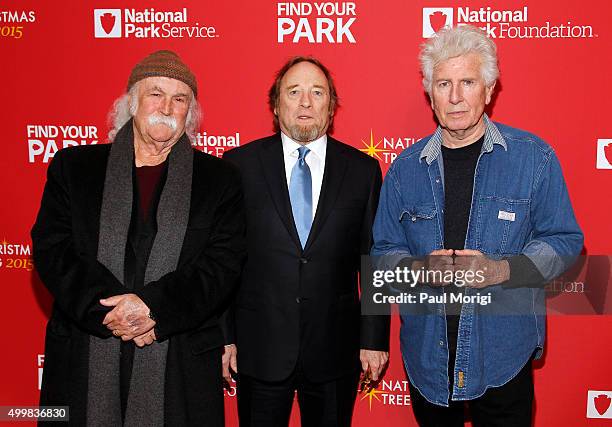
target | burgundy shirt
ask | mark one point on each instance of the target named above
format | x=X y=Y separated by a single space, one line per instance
x=148 y=178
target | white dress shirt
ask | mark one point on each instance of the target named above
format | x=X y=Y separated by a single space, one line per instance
x=315 y=160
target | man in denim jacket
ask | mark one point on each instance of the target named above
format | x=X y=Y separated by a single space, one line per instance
x=482 y=197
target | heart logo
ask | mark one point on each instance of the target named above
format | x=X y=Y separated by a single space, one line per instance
x=437 y=20
x=602 y=402
x=108 y=22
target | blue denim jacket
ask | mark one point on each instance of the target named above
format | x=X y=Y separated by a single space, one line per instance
x=520 y=205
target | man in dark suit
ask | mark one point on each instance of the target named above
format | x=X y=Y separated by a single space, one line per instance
x=140 y=242
x=310 y=205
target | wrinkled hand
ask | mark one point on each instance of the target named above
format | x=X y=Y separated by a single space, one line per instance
x=487 y=271
x=145 y=339
x=129 y=318
x=439 y=261
x=228 y=360
x=373 y=360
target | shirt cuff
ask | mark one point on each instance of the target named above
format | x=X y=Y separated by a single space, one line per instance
x=523 y=273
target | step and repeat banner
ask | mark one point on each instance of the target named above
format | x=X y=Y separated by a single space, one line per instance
x=63 y=65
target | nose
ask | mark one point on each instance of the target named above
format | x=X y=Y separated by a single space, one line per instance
x=165 y=106
x=456 y=94
x=305 y=100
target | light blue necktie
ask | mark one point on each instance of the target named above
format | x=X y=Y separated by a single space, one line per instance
x=300 y=193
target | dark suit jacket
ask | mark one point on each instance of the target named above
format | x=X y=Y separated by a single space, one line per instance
x=296 y=304
x=186 y=302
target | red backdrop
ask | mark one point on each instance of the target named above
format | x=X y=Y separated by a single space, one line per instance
x=61 y=72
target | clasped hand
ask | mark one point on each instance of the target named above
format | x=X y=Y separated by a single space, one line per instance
x=129 y=319
x=471 y=267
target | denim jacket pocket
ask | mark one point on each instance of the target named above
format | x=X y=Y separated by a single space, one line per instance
x=502 y=225
x=421 y=228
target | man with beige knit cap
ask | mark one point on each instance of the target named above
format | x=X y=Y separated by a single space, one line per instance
x=140 y=242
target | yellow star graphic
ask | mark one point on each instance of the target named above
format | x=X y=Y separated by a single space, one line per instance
x=372 y=149
x=371 y=394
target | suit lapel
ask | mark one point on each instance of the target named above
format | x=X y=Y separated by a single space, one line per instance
x=335 y=169
x=273 y=166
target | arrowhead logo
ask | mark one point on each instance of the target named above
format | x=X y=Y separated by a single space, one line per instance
x=604 y=154
x=107 y=23
x=599 y=404
x=436 y=18
x=602 y=403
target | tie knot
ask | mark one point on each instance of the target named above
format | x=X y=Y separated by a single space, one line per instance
x=302 y=152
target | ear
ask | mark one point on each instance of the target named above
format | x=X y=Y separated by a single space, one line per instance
x=428 y=84
x=489 y=93
x=131 y=105
x=431 y=98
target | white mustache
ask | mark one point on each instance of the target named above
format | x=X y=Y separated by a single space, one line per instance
x=155 y=119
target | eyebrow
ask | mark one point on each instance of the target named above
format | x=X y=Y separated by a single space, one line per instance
x=314 y=86
x=158 y=89
x=460 y=79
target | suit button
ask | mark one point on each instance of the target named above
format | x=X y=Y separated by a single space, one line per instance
x=298 y=300
x=303 y=261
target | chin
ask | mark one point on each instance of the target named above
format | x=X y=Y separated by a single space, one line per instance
x=456 y=125
x=162 y=138
x=304 y=133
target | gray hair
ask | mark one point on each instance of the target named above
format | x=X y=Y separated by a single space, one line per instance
x=458 y=41
x=122 y=111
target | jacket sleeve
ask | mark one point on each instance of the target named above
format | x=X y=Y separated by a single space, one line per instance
x=556 y=238
x=76 y=281
x=227 y=322
x=227 y=319
x=374 y=328
x=183 y=299
x=389 y=237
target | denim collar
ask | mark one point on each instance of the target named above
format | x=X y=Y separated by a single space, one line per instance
x=492 y=136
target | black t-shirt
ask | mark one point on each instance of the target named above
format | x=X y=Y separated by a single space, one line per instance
x=459 y=169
